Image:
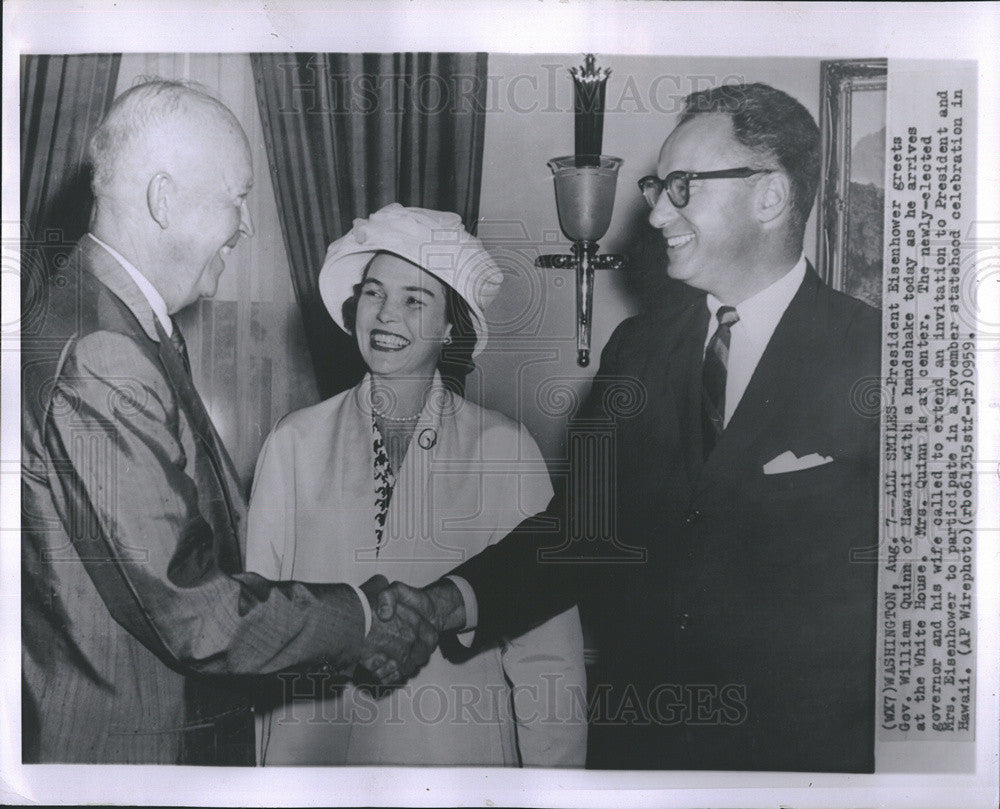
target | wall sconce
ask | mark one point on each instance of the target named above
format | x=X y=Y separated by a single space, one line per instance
x=585 y=197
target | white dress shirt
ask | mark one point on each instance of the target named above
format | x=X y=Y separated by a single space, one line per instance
x=759 y=316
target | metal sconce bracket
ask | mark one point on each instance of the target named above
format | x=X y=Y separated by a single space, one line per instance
x=585 y=260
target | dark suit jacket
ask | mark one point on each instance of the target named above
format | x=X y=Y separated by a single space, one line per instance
x=745 y=637
x=133 y=601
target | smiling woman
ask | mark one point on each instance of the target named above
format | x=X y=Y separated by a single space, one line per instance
x=412 y=478
x=400 y=322
x=401 y=317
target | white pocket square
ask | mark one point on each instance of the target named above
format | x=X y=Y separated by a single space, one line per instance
x=787 y=462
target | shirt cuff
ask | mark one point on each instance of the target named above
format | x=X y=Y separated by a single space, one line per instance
x=366 y=608
x=469 y=597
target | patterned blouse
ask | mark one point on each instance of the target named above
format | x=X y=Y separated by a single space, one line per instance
x=385 y=480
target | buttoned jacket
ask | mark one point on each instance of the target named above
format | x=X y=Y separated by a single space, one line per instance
x=734 y=609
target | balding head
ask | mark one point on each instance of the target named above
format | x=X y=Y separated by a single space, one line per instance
x=157 y=123
x=171 y=172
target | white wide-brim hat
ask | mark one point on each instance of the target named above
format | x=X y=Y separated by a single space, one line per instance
x=433 y=240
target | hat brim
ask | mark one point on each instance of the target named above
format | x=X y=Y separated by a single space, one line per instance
x=342 y=272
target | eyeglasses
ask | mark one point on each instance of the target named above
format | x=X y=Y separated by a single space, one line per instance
x=678 y=183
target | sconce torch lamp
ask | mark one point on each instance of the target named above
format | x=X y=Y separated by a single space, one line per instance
x=585 y=198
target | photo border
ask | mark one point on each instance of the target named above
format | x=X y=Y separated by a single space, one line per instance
x=646 y=28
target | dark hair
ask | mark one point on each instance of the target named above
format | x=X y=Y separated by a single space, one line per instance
x=772 y=124
x=455 y=362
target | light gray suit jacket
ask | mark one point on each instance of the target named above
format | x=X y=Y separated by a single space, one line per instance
x=137 y=615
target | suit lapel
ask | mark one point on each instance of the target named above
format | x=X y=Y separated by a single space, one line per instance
x=667 y=374
x=690 y=417
x=215 y=476
x=773 y=386
x=106 y=269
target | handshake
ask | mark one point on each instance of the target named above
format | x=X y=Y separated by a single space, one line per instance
x=406 y=624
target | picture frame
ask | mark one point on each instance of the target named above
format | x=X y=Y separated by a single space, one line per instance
x=852 y=186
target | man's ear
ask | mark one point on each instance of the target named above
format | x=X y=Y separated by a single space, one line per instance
x=774 y=196
x=158 y=194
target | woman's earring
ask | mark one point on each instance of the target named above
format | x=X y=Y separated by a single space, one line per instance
x=447 y=340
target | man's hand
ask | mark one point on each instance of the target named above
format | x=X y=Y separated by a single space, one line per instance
x=399 y=642
x=440 y=603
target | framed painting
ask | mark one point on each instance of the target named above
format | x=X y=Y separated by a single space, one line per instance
x=852 y=186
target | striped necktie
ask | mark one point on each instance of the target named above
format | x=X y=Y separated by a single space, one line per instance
x=178 y=340
x=713 y=380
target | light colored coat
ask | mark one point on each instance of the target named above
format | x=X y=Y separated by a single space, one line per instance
x=470 y=475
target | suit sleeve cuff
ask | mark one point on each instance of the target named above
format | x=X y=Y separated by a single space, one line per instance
x=467 y=633
x=365 y=608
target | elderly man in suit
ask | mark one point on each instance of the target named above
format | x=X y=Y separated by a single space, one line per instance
x=740 y=633
x=136 y=610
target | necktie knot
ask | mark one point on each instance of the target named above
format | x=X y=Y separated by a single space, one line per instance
x=727 y=316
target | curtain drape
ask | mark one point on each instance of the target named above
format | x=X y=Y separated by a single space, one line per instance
x=63 y=99
x=349 y=133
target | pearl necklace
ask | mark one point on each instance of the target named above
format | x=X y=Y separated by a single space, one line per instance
x=381 y=415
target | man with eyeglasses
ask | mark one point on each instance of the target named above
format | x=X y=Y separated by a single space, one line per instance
x=747 y=478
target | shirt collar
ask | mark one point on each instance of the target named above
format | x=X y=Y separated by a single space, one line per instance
x=156 y=302
x=760 y=313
